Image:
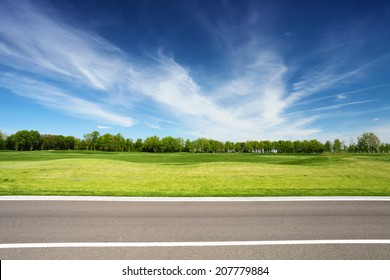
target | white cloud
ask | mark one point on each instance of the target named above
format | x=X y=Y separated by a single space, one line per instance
x=154 y=126
x=55 y=98
x=35 y=42
x=341 y=96
x=315 y=81
x=338 y=106
x=259 y=91
x=251 y=101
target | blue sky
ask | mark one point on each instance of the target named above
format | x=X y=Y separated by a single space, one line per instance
x=227 y=70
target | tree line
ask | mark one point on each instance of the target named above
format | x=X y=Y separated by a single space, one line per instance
x=29 y=140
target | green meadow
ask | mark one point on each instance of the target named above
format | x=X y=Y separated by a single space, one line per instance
x=85 y=173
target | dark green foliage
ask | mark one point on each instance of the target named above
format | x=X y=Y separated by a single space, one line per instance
x=3 y=139
x=25 y=140
x=369 y=143
x=57 y=142
x=337 y=146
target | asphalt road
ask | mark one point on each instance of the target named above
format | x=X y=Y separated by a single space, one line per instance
x=91 y=221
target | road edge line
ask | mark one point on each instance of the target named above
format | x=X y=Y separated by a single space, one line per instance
x=191 y=244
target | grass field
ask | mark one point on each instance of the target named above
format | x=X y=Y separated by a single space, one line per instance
x=184 y=174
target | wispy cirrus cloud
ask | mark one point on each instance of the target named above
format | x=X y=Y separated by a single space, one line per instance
x=31 y=42
x=342 y=95
x=254 y=98
x=50 y=47
x=339 y=106
x=56 y=98
x=154 y=126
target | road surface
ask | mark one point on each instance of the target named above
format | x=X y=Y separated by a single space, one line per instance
x=205 y=230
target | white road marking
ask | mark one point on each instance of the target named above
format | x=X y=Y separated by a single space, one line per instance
x=193 y=199
x=191 y=244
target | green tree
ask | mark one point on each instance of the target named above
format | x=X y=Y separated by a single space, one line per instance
x=119 y=142
x=170 y=144
x=239 y=147
x=289 y=146
x=46 y=143
x=267 y=146
x=282 y=146
x=316 y=146
x=216 y=146
x=20 y=140
x=60 y=142
x=305 y=147
x=180 y=144
x=328 y=146
x=297 y=146
x=3 y=139
x=260 y=147
x=129 y=145
x=94 y=137
x=88 y=140
x=9 y=142
x=252 y=146
x=24 y=140
x=202 y=145
x=229 y=147
x=91 y=139
x=385 y=148
x=152 y=144
x=368 y=143
x=78 y=144
x=275 y=147
x=188 y=146
x=352 y=148
x=138 y=145
x=337 y=146
x=105 y=142
x=70 y=142
x=34 y=140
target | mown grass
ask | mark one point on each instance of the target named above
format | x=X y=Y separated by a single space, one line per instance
x=184 y=174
